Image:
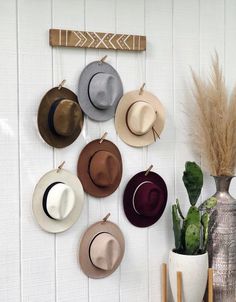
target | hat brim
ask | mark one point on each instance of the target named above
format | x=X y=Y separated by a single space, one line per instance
x=89 y=71
x=50 y=137
x=84 y=258
x=83 y=167
x=135 y=218
x=45 y=222
x=120 y=118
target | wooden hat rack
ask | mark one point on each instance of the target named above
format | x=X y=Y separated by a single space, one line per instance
x=179 y=285
x=97 y=40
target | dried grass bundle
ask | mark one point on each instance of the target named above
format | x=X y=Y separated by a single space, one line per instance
x=213 y=122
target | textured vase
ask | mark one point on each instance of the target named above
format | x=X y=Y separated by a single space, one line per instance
x=222 y=242
x=194 y=275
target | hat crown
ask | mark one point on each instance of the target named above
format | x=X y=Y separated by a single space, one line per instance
x=103 y=90
x=66 y=117
x=60 y=201
x=140 y=117
x=105 y=251
x=147 y=199
x=104 y=168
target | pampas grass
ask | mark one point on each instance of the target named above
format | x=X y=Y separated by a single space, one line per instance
x=213 y=122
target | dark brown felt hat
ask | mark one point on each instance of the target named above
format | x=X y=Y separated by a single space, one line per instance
x=60 y=118
x=100 y=168
x=145 y=199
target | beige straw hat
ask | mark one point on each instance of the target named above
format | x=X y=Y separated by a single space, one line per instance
x=140 y=118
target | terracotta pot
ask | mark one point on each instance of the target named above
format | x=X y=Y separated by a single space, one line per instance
x=194 y=270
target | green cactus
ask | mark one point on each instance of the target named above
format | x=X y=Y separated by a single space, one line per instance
x=208 y=204
x=205 y=222
x=191 y=232
x=176 y=227
x=192 y=239
x=179 y=209
x=193 y=181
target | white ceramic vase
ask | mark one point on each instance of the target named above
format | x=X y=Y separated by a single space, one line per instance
x=194 y=270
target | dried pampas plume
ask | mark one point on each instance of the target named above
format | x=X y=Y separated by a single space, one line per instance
x=213 y=122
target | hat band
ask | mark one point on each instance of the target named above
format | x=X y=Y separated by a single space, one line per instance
x=51 y=115
x=45 y=195
x=89 y=93
x=133 y=201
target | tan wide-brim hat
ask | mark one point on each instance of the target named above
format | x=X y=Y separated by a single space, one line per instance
x=142 y=112
x=84 y=257
x=61 y=107
x=99 y=160
x=46 y=222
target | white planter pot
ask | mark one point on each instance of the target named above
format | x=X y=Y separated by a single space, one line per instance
x=194 y=275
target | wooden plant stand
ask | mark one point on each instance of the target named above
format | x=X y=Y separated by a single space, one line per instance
x=179 y=285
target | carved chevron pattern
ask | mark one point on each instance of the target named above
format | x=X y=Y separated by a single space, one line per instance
x=70 y=38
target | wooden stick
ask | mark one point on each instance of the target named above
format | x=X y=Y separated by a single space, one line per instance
x=103 y=137
x=60 y=167
x=164 y=282
x=179 y=287
x=148 y=170
x=210 y=285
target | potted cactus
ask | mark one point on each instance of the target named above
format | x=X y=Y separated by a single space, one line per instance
x=191 y=237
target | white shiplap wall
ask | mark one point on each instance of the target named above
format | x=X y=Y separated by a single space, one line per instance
x=40 y=267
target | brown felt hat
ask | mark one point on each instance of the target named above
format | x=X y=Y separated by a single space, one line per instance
x=101 y=249
x=60 y=118
x=100 y=168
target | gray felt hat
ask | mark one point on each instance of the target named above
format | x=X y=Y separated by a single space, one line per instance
x=100 y=89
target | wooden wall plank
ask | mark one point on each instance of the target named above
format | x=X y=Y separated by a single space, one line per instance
x=36 y=157
x=229 y=52
x=9 y=173
x=71 y=283
x=212 y=38
x=185 y=54
x=102 y=19
x=134 y=269
x=159 y=79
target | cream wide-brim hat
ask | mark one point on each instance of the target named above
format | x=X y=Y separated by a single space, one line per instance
x=121 y=124
x=52 y=225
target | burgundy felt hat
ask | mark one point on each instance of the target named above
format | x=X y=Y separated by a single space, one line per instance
x=145 y=199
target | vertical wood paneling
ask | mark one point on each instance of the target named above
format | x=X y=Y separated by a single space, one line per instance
x=9 y=174
x=212 y=38
x=103 y=19
x=230 y=50
x=131 y=66
x=35 y=78
x=159 y=79
x=71 y=283
x=185 y=54
x=36 y=266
